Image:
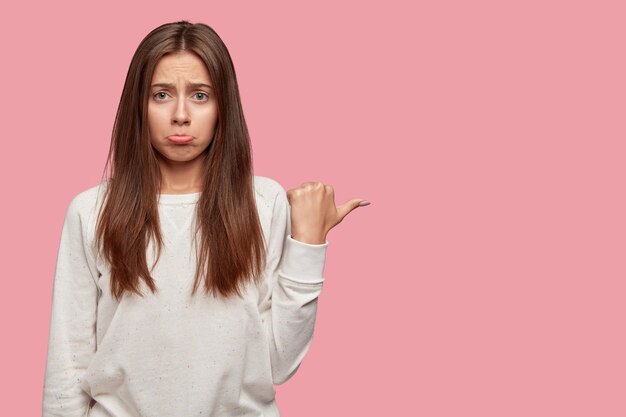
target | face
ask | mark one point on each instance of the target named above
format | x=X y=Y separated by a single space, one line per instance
x=181 y=102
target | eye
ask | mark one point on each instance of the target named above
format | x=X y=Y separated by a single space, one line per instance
x=203 y=94
x=160 y=92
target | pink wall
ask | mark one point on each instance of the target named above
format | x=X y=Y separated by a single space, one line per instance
x=487 y=276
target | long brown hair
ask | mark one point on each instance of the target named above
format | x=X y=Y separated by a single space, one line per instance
x=232 y=248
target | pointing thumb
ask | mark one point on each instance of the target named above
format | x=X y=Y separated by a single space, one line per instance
x=350 y=205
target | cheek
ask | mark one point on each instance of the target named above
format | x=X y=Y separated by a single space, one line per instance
x=210 y=118
x=151 y=116
x=156 y=119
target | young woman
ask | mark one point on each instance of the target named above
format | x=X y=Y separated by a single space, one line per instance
x=185 y=285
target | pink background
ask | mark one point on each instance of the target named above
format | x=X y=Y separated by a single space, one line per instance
x=487 y=276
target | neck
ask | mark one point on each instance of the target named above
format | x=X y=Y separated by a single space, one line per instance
x=181 y=177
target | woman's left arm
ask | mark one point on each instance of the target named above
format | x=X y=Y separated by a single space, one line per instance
x=296 y=258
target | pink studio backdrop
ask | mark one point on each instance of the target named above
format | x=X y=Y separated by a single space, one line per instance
x=487 y=276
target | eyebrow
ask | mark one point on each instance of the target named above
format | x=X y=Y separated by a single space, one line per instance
x=192 y=85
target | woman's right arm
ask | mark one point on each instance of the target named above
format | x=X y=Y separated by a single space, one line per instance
x=72 y=336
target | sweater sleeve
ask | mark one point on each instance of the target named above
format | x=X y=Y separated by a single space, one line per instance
x=72 y=335
x=294 y=270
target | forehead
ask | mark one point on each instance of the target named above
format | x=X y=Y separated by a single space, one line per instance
x=180 y=65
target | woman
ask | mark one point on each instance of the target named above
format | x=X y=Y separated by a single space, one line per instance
x=131 y=334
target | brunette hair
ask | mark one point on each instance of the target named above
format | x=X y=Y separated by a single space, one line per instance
x=232 y=248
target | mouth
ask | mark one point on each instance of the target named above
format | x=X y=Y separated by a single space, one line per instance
x=180 y=139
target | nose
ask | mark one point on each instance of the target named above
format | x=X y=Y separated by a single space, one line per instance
x=181 y=115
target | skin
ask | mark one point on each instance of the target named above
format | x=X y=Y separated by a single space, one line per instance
x=314 y=213
x=182 y=109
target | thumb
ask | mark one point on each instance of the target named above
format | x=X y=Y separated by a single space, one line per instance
x=350 y=205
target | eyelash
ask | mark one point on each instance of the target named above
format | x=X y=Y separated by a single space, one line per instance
x=161 y=92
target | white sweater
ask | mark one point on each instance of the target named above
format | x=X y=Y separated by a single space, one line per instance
x=168 y=354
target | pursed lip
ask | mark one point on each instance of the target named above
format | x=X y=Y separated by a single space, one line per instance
x=180 y=138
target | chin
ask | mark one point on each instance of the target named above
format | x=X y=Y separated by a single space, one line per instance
x=182 y=158
x=174 y=156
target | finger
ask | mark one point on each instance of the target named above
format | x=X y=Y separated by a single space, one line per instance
x=348 y=206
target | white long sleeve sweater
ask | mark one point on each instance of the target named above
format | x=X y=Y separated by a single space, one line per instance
x=169 y=354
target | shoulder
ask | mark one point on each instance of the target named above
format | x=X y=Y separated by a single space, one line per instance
x=271 y=197
x=86 y=202
x=268 y=188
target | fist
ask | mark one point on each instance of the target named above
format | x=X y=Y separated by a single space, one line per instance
x=313 y=211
